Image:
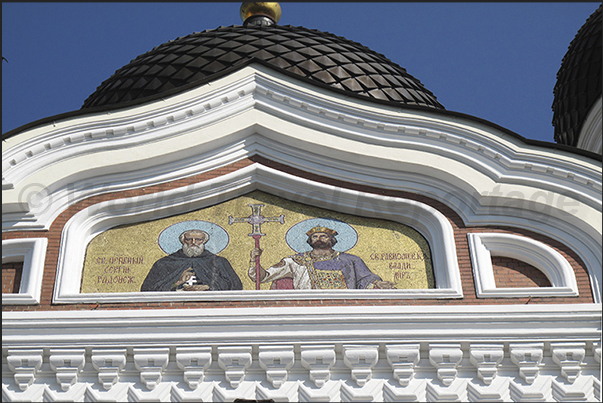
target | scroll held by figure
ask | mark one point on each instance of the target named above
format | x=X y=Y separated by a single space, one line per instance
x=321 y=268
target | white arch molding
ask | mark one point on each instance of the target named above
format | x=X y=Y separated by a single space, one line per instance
x=485 y=175
x=483 y=246
x=91 y=221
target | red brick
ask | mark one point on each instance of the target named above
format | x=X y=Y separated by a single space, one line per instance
x=460 y=236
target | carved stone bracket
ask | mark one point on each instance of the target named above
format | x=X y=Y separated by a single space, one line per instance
x=486 y=358
x=527 y=357
x=25 y=365
x=318 y=359
x=108 y=363
x=276 y=361
x=67 y=363
x=234 y=360
x=446 y=358
x=361 y=359
x=151 y=362
x=467 y=371
x=569 y=356
x=194 y=361
x=403 y=358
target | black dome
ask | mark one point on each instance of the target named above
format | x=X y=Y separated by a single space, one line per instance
x=321 y=57
x=578 y=81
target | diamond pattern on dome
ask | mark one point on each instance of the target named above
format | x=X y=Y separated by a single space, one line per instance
x=314 y=55
x=578 y=81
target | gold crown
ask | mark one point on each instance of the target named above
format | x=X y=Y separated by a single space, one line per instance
x=322 y=229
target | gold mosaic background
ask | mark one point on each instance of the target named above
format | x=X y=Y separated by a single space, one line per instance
x=119 y=259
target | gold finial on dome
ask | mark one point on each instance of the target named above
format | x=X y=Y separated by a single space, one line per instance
x=257 y=13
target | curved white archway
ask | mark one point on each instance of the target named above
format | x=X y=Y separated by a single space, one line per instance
x=557 y=269
x=91 y=221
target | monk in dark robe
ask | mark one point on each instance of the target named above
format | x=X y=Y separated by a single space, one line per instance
x=192 y=268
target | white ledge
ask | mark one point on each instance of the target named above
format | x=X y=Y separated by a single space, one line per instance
x=312 y=324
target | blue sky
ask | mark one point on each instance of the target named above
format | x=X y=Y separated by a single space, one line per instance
x=495 y=61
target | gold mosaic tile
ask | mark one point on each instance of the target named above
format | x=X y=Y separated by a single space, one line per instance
x=119 y=259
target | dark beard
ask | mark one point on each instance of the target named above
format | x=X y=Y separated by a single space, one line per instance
x=321 y=245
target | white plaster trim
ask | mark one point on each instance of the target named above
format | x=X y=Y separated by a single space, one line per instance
x=89 y=222
x=319 y=353
x=312 y=325
x=484 y=175
x=591 y=137
x=483 y=246
x=32 y=252
x=497 y=156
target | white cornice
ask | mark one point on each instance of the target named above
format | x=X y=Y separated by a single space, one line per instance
x=495 y=155
x=343 y=353
x=487 y=176
x=311 y=324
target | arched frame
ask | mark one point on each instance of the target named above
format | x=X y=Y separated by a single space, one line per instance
x=32 y=252
x=485 y=175
x=90 y=222
x=556 y=268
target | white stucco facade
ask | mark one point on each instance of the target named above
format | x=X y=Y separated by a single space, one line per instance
x=346 y=353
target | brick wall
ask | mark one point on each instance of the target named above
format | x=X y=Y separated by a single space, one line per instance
x=513 y=273
x=11 y=277
x=460 y=230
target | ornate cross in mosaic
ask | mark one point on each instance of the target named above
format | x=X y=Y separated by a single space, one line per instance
x=256 y=219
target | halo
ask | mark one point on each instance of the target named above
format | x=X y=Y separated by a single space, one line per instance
x=218 y=237
x=296 y=235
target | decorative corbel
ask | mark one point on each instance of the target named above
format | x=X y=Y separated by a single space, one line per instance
x=25 y=364
x=108 y=363
x=527 y=357
x=361 y=359
x=194 y=361
x=67 y=363
x=151 y=362
x=486 y=358
x=234 y=361
x=446 y=358
x=569 y=356
x=318 y=359
x=403 y=358
x=276 y=361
